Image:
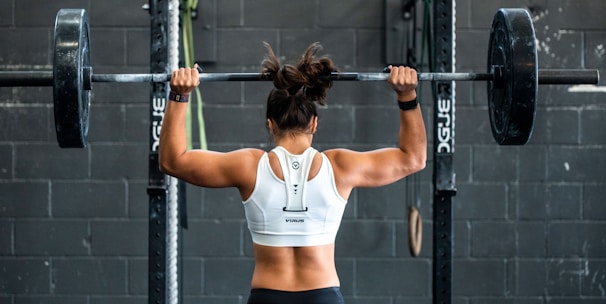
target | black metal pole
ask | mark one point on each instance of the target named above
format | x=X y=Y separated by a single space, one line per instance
x=157 y=183
x=444 y=144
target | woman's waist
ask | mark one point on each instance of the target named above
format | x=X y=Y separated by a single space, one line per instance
x=294 y=276
x=294 y=267
x=295 y=283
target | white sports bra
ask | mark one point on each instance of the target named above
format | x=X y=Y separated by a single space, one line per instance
x=294 y=212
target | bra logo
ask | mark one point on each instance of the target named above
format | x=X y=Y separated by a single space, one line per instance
x=295 y=220
x=296 y=165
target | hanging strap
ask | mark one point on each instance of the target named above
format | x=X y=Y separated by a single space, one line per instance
x=295 y=169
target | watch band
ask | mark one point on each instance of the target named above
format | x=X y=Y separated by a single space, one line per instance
x=178 y=97
x=408 y=105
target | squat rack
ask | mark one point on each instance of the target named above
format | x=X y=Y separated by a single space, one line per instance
x=443 y=151
x=157 y=189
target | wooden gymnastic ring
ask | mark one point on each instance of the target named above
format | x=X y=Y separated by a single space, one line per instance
x=415 y=231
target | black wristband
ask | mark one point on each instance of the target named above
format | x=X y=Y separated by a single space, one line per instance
x=408 y=105
x=178 y=97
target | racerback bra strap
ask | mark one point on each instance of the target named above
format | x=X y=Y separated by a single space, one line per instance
x=295 y=169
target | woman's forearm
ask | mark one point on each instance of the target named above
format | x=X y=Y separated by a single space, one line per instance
x=173 y=138
x=413 y=136
x=412 y=133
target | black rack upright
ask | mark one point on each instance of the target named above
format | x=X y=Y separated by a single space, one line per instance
x=443 y=149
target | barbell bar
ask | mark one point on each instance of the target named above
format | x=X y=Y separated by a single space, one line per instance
x=512 y=77
x=45 y=78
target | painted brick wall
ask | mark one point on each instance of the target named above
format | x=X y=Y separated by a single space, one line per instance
x=530 y=221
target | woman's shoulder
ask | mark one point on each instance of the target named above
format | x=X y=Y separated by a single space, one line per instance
x=248 y=153
x=337 y=152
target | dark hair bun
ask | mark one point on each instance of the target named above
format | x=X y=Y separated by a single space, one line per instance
x=306 y=77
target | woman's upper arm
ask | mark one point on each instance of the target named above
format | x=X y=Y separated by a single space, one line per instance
x=217 y=169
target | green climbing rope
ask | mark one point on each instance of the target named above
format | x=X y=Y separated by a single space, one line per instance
x=189 y=6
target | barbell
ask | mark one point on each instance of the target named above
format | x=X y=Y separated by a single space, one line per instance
x=512 y=77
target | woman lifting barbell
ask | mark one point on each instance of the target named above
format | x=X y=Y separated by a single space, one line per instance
x=294 y=196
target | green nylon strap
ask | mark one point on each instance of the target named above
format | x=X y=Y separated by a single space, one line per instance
x=188 y=54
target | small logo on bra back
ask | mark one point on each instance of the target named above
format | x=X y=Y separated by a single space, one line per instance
x=296 y=165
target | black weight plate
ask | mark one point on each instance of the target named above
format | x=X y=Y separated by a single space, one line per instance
x=512 y=56
x=71 y=99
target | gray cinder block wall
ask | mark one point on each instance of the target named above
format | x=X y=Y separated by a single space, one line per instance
x=530 y=221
